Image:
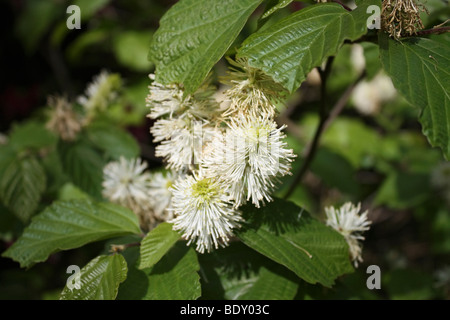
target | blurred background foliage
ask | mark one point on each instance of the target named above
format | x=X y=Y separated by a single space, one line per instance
x=373 y=153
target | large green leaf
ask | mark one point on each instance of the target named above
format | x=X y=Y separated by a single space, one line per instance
x=130 y=48
x=402 y=190
x=84 y=165
x=22 y=185
x=99 y=279
x=277 y=6
x=292 y=47
x=114 y=141
x=156 y=244
x=290 y=236
x=31 y=135
x=419 y=70
x=193 y=35
x=70 y=224
x=240 y=273
x=174 y=277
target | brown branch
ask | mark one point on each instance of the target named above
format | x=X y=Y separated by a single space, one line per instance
x=324 y=123
x=432 y=31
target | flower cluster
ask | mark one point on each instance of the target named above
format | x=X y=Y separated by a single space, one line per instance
x=401 y=17
x=63 y=120
x=67 y=121
x=128 y=183
x=351 y=224
x=100 y=93
x=225 y=152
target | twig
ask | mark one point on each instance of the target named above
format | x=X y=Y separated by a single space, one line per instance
x=343 y=5
x=324 y=123
x=311 y=149
x=432 y=31
x=121 y=247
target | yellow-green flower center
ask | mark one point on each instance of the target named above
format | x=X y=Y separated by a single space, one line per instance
x=204 y=190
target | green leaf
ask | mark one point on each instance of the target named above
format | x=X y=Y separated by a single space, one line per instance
x=174 y=277
x=156 y=244
x=70 y=192
x=31 y=135
x=70 y=224
x=419 y=70
x=340 y=138
x=291 y=48
x=130 y=48
x=288 y=235
x=403 y=190
x=335 y=171
x=408 y=284
x=84 y=166
x=114 y=141
x=280 y=5
x=372 y=57
x=193 y=35
x=270 y=286
x=240 y=273
x=77 y=49
x=34 y=21
x=99 y=279
x=22 y=186
x=8 y=155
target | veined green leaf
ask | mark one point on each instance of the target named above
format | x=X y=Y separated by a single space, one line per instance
x=240 y=273
x=31 y=135
x=281 y=4
x=288 y=235
x=99 y=279
x=174 y=277
x=84 y=166
x=115 y=142
x=419 y=70
x=292 y=47
x=193 y=35
x=70 y=224
x=156 y=244
x=22 y=185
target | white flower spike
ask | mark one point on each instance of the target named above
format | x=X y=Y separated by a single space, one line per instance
x=250 y=158
x=126 y=183
x=203 y=212
x=251 y=92
x=100 y=92
x=161 y=196
x=348 y=222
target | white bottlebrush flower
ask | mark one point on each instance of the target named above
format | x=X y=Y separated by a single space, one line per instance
x=351 y=224
x=251 y=91
x=164 y=129
x=250 y=158
x=169 y=100
x=100 y=92
x=163 y=99
x=203 y=212
x=125 y=182
x=187 y=140
x=357 y=58
x=161 y=196
x=369 y=96
x=63 y=120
